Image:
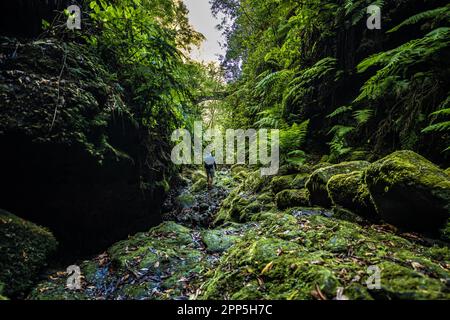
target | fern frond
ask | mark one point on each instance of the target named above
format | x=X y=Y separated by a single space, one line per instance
x=442 y=13
x=339 y=111
x=362 y=116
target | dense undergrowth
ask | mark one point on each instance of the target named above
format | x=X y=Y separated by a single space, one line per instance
x=361 y=93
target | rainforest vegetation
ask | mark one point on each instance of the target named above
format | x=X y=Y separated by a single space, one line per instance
x=359 y=208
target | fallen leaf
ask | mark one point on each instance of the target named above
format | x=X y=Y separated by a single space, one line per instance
x=267 y=268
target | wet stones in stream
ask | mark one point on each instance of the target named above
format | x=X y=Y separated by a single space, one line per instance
x=195 y=208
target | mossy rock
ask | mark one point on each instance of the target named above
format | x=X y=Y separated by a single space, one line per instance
x=56 y=287
x=198 y=175
x=399 y=282
x=25 y=249
x=292 y=198
x=200 y=185
x=284 y=257
x=265 y=198
x=318 y=180
x=350 y=191
x=293 y=181
x=255 y=183
x=185 y=200
x=291 y=168
x=236 y=169
x=409 y=191
x=149 y=265
x=218 y=240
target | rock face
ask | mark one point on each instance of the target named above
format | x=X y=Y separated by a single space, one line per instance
x=25 y=249
x=409 y=191
x=317 y=182
x=350 y=191
x=73 y=157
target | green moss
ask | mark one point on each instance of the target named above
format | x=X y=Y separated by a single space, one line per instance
x=292 y=198
x=25 y=249
x=404 y=186
x=284 y=257
x=318 y=180
x=350 y=191
x=237 y=169
x=294 y=181
x=325 y=158
x=154 y=264
x=399 y=282
x=291 y=168
x=185 y=200
x=265 y=198
x=281 y=183
x=198 y=175
x=199 y=185
x=218 y=240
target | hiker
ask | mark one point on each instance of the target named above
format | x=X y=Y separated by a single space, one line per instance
x=210 y=166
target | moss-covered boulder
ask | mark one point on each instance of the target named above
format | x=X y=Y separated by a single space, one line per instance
x=292 y=198
x=238 y=207
x=250 y=197
x=350 y=191
x=219 y=240
x=25 y=249
x=317 y=182
x=198 y=175
x=293 y=181
x=291 y=168
x=316 y=257
x=409 y=191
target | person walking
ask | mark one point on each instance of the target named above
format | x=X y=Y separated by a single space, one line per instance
x=210 y=167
